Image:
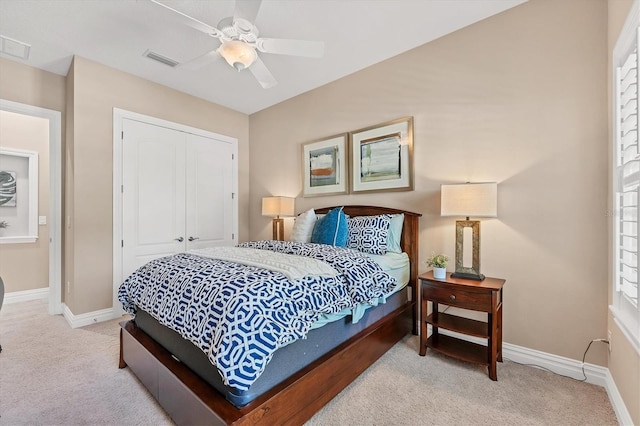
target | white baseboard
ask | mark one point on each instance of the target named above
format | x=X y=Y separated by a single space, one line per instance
x=624 y=417
x=26 y=295
x=595 y=374
x=88 y=318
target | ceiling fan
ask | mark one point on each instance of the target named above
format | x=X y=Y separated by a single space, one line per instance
x=240 y=42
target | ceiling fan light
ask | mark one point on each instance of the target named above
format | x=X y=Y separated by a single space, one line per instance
x=238 y=54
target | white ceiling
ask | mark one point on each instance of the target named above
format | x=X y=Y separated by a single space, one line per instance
x=116 y=33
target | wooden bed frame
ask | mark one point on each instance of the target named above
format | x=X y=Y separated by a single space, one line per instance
x=190 y=400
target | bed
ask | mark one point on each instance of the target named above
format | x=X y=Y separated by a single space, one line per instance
x=190 y=397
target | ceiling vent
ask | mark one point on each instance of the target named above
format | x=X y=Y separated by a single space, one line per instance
x=14 y=48
x=162 y=59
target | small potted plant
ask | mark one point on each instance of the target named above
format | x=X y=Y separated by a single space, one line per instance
x=439 y=264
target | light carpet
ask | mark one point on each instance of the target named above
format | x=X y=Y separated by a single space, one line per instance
x=51 y=374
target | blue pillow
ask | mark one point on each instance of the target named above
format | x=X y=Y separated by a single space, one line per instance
x=395 y=232
x=369 y=234
x=331 y=229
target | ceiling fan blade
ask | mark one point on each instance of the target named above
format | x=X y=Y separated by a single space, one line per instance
x=309 y=49
x=200 y=61
x=247 y=9
x=191 y=21
x=262 y=74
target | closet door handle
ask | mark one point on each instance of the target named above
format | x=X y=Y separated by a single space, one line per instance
x=179 y=239
x=193 y=238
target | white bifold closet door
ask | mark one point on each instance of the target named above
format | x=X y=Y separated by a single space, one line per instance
x=177 y=193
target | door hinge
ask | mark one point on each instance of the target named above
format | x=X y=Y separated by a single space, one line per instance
x=121 y=243
x=233 y=236
x=233 y=157
x=233 y=195
x=122 y=189
x=122 y=135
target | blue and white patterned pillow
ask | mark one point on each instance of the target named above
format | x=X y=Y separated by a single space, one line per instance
x=369 y=234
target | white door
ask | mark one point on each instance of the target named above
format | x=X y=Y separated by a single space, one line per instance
x=210 y=194
x=153 y=193
x=177 y=193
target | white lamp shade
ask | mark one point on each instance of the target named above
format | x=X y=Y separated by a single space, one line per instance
x=238 y=54
x=469 y=199
x=278 y=206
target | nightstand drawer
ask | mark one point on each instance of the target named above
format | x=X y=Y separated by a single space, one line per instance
x=460 y=298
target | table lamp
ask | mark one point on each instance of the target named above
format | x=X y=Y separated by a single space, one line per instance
x=276 y=207
x=469 y=199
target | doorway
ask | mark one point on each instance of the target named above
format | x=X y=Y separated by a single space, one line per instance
x=54 y=119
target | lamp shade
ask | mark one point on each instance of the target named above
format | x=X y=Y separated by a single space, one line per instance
x=469 y=199
x=278 y=206
x=238 y=54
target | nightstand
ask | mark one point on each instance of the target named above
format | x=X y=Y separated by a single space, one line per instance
x=482 y=296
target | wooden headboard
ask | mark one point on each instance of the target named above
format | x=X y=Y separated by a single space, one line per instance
x=409 y=242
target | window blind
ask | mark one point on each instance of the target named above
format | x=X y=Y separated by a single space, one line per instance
x=628 y=178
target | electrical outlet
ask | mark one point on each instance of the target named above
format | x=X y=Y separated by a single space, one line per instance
x=609 y=339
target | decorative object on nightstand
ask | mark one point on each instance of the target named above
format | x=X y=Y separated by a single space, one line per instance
x=469 y=199
x=481 y=296
x=439 y=264
x=276 y=207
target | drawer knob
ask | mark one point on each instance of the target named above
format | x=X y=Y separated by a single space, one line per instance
x=452 y=297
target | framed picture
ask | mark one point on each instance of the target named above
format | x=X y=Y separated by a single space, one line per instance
x=18 y=195
x=8 y=188
x=324 y=166
x=382 y=157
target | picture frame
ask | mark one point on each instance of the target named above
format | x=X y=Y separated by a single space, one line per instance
x=382 y=157
x=324 y=166
x=18 y=195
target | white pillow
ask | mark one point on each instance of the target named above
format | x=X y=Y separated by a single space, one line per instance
x=303 y=227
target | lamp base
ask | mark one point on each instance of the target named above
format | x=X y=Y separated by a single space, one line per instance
x=278 y=229
x=466 y=272
x=468 y=276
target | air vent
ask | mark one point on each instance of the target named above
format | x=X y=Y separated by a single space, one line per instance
x=14 y=48
x=162 y=59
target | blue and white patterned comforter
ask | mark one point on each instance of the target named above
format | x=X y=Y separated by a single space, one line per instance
x=238 y=314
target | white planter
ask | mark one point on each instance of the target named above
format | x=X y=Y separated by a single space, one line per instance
x=440 y=273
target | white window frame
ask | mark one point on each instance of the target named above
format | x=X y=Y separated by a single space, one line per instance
x=626 y=312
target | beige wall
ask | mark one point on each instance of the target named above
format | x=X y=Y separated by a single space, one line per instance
x=624 y=366
x=624 y=361
x=520 y=99
x=26 y=266
x=95 y=90
x=32 y=86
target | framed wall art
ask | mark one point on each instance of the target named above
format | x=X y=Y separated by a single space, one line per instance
x=324 y=166
x=382 y=157
x=8 y=188
x=18 y=195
